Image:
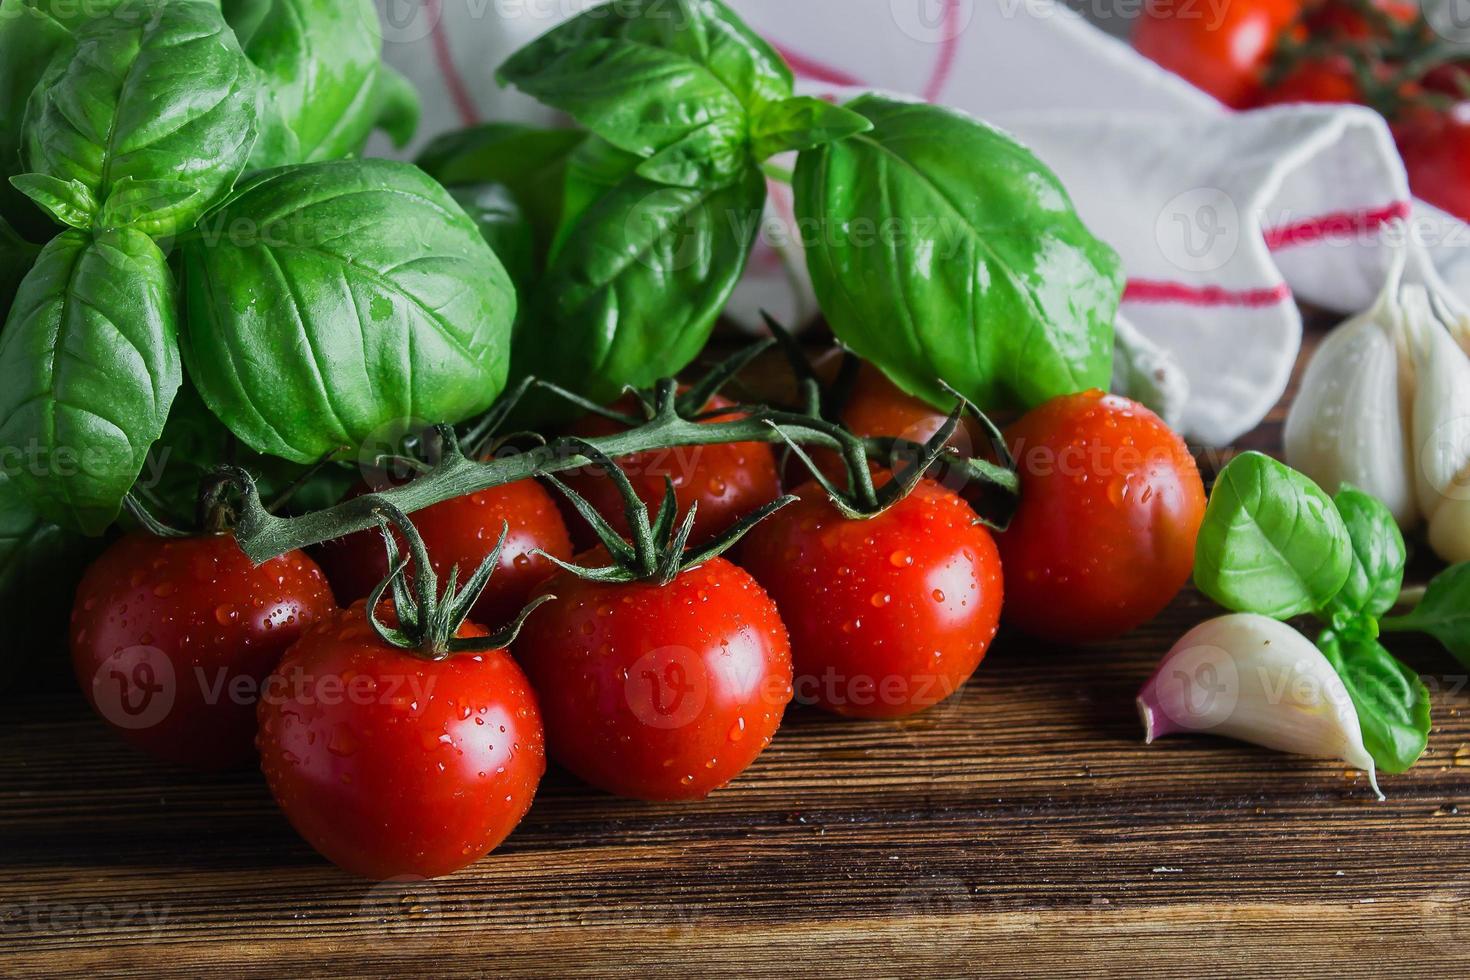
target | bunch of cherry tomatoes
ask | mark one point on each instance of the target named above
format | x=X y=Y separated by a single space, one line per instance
x=393 y=764
x=1386 y=54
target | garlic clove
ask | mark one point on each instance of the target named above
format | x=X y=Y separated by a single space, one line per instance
x=1441 y=420
x=1252 y=678
x=1449 y=528
x=1349 y=422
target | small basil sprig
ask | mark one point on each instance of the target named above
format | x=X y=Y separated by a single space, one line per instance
x=1273 y=543
x=1443 y=613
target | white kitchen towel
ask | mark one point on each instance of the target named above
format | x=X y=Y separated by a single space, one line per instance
x=1221 y=218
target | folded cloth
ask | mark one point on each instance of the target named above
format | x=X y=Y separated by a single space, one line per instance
x=1221 y=218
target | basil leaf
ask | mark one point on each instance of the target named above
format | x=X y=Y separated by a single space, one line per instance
x=68 y=201
x=30 y=36
x=530 y=162
x=636 y=281
x=505 y=229
x=1272 y=542
x=1379 y=555
x=333 y=303
x=16 y=257
x=1443 y=613
x=40 y=565
x=639 y=98
x=1391 y=701
x=398 y=106
x=705 y=32
x=943 y=249
x=802 y=123
x=164 y=98
x=89 y=365
x=319 y=63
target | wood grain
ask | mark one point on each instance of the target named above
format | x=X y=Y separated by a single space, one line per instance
x=1021 y=827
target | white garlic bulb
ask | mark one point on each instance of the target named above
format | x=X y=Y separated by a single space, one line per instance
x=1252 y=678
x=1350 y=420
x=1441 y=428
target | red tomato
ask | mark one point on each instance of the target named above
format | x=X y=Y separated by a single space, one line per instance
x=1111 y=503
x=659 y=692
x=1223 y=50
x=462 y=532
x=170 y=640
x=1436 y=152
x=727 y=481
x=1336 y=19
x=391 y=765
x=889 y=615
x=1329 y=80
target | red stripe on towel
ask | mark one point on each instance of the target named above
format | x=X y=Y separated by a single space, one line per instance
x=1156 y=291
x=459 y=92
x=1338 y=223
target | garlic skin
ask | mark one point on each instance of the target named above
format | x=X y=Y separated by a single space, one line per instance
x=1441 y=431
x=1147 y=373
x=1350 y=420
x=1254 y=679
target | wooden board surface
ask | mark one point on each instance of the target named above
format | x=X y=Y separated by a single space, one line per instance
x=1021 y=827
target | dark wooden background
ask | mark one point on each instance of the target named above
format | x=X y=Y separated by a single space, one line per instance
x=1023 y=826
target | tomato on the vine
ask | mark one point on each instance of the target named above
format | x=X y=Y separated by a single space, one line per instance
x=462 y=532
x=728 y=481
x=171 y=638
x=1111 y=504
x=390 y=764
x=888 y=615
x=1436 y=151
x=1225 y=51
x=1323 y=79
x=658 y=692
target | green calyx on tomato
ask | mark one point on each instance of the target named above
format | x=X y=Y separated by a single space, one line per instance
x=427 y=621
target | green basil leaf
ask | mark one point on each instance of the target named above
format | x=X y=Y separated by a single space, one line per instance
x=16 y=258
x=89 y=365
x=334 y=302
x=164 y=98
x=709 y=156
x=1379 y=556
x=154 y=207
x=68 y=201
x=802 y=123
x=318 y=65
x=398 y=106
x=1443 y=613
x=706 y=33
x=639 y=98
x=1272 y=542
x=30 y=36
x=40 y=565
x=530 y=162
x=636 y=282
x=942 y=249
x=1391 y=701
x=505 y=229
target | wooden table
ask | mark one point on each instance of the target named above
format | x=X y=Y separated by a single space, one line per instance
x=1023 y=826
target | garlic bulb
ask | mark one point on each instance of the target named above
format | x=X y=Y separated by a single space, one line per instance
x=1385 y=405
x=1252 y=678
x=1350 y=420
x=1441 y=429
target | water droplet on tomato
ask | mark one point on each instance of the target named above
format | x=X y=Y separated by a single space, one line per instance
x=900 y=559
x=880 y=599
x=225 y=614
x=938 y=595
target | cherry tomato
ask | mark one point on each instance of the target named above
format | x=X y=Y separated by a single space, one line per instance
x=170 y=640
x=1111 y=503
x=462 y=532
x=392 y=765
x=875 y=406
x=1223 y=50
x=1436 y=152
x=727 y=481
x=659 y=692
x=889 y=615
x=1338 y=19
x=1328 y=80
